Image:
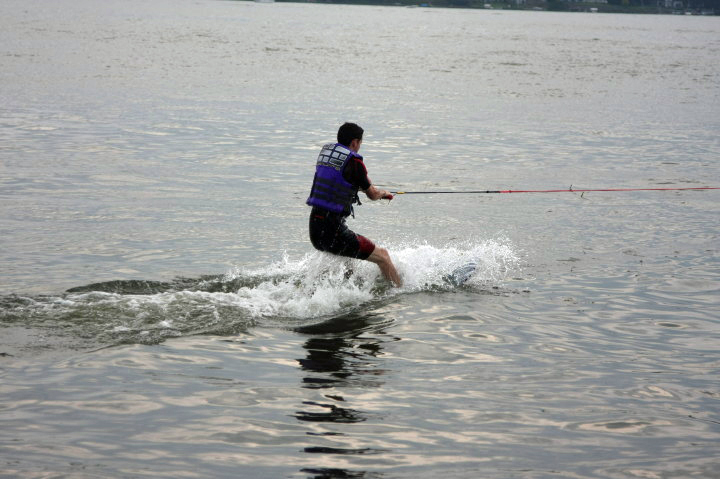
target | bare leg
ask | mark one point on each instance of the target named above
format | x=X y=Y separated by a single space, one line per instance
x=381 y=257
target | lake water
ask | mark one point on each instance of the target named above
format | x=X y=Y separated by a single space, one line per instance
x=162 y=313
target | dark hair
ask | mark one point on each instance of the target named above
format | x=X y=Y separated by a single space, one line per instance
x=349 y=132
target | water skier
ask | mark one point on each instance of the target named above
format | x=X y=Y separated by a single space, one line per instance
x=339 y=174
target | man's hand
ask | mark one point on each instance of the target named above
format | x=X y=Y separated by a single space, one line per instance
x=377 y=194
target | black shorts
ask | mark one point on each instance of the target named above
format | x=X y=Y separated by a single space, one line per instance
x=329 y=233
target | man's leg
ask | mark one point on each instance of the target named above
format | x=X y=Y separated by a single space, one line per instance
x=381 y=257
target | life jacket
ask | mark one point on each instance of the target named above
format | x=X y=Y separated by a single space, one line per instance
x=330 y=190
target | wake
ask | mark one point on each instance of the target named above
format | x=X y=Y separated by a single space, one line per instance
x=291 y=292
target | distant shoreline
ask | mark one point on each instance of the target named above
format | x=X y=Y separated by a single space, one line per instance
x=655 y=7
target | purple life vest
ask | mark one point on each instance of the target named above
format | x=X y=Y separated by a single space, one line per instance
x=330 y=190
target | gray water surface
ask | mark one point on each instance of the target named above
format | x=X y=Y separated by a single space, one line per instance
x=162 y=313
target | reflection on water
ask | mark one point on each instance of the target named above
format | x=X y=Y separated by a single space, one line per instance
x=342 y=362
x=334 y=413
x=323 y=360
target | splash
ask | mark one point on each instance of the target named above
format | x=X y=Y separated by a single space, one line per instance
x=289 y=293
x=426 y=267
x=324 y=285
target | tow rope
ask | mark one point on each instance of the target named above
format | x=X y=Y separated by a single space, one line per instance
x=568 y=190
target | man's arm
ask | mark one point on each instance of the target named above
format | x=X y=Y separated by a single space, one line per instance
x=356 y=174
x=377 y=194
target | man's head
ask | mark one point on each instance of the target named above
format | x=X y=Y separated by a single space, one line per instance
x=350 y=135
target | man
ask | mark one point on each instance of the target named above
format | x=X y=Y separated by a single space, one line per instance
x=339 y=174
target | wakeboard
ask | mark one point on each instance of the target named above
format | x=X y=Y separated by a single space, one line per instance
x=461 y=274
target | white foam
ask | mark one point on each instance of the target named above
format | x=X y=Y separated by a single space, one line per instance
x=319 y=284
x=313 y=286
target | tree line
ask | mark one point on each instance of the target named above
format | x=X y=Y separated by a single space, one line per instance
x=638 y=6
